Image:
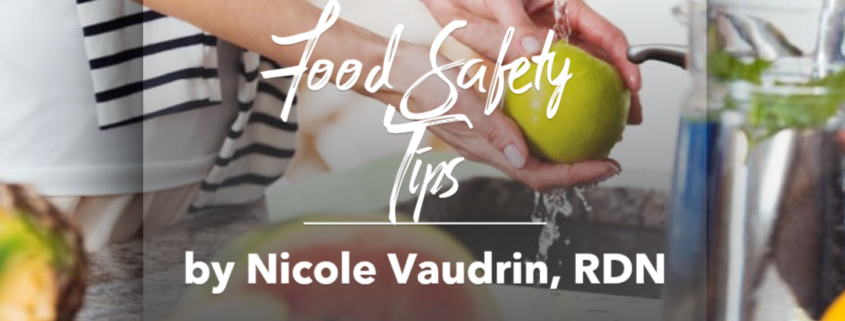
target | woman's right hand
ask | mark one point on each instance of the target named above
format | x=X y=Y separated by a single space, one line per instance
x=495 y=139
x=488 y=21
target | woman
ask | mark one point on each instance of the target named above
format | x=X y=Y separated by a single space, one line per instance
x=129 y=139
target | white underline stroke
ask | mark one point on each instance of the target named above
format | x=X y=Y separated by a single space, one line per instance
x=423 y=223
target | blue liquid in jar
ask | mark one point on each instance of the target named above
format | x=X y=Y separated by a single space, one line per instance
x=688 y=223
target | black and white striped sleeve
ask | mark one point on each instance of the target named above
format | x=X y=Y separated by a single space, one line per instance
x=259 y=146
x=145 y=64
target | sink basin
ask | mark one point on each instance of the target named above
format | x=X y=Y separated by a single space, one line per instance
x=622 y=220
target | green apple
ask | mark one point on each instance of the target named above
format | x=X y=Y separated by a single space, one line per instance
x=591 y=116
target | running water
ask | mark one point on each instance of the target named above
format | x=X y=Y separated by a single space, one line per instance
x=550 y=207
x=562 y=28
x=547 y=206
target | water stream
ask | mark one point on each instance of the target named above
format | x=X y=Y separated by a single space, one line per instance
x=550 y=207
x=555 y=204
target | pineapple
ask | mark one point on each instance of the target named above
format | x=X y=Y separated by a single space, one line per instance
x=42 y=262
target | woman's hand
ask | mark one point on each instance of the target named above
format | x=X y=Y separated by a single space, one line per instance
x=494 y=139
x=488 y=20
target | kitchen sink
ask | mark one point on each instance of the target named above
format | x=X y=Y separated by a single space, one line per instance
x=626 y=221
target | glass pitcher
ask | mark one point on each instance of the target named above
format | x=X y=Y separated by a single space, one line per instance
x=756 y=228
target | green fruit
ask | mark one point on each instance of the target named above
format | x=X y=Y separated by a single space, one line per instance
x=384 y=299
x=591 y=116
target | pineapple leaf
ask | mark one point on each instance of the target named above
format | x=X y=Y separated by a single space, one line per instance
x=10 y=246
x=22 y=236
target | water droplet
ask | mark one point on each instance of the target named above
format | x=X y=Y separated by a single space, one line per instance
x=579 y=191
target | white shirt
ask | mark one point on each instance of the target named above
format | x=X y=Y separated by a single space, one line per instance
x=49 y=134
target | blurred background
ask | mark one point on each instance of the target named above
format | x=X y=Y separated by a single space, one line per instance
x=343 y=130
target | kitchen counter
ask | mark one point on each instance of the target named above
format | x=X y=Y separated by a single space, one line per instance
x=143 y=279
x=122 y=273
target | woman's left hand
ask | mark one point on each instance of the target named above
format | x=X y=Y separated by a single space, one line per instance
x=489 y=20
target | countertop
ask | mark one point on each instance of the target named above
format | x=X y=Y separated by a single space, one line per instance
x=143 y=279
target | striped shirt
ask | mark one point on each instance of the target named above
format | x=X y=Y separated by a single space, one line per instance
x=146 y=65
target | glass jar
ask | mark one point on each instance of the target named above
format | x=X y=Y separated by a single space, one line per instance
x=685 y=290
x=756 y=229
